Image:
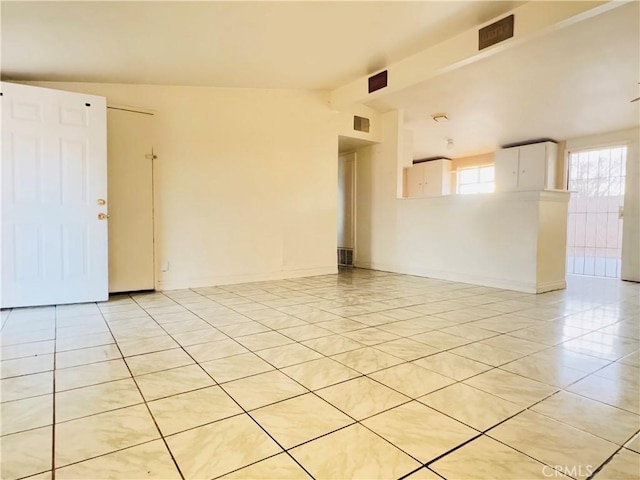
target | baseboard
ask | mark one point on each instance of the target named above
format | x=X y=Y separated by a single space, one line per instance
x=551 y=286
x=485 y=281
x=215 y=280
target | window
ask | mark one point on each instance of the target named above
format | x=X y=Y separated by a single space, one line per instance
x=476 y=180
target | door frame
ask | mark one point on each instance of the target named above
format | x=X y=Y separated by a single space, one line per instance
x=630 y=269
x=153 y=113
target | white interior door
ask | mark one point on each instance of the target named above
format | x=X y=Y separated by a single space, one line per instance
x=54 y=176
x=130 y=167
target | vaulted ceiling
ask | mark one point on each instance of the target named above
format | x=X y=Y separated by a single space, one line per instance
x=574 y=81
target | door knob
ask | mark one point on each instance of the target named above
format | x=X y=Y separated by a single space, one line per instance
x=101 y=201
x=102 y=216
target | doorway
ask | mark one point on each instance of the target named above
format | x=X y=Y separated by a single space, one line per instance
x=346 y=209
x=130 y=184
x=596 y=179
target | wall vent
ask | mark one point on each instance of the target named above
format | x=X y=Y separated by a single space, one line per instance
x=377 y=81
x=360 y=124
x=345 y=257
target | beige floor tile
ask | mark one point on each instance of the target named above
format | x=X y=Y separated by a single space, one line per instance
x=514 y=344
x=214 y=350
x=486 y=459
x=320 y=373
x=620 y=372
x=263 y=389
x=371 y=336
x=27 y=349
x=280 y=467
x=470 y=332
x=221 y=447
x=40 y=476
x=341 y=325
x=632 y=359
x=406 y=349
x=287 y=355
x=26 y=365
x=85 y=341
x=26 y=414
x=235 y=367
x=149 y=460
x=593 y=417
x=544 y=371
x=174 y=381
x=186 y=326
x=315 y=316
x=333 y=344
x=424 y=474
x=553 y=443
x=305 y=332
x=91 y=374
x=367 y=360
x=486 y=354
x=610 y=347
x=261 y=341
x=516 y=389
x=84 y=401
x=26 y=386
x=148 y=345
x=616 y=393
x=16 y=337
x=411 y=380
x=419 y=430
x=192 y=409
x=551 y=334
x=634 y=443
x=199 y=336
x=300 y=419
x=73 y=358
x=441 y=340
x=453 y=366
x=504 y=323
x=107 y=432
x=243 y=329
x=362 y=397
x=26 y=453
x=471 y=406
x=281 y=320
x=355 y=453
x=625 y=465
x=158 y=361
x=571 y=359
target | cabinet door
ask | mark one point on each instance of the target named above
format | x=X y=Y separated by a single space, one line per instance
x=415 y=181
x=433 y=178
x=507 y=170
x=532 y=167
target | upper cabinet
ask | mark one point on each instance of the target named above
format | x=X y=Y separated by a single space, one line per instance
x=528 y=167
x=428 y=179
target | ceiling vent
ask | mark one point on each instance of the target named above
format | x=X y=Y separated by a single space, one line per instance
x=360 y=124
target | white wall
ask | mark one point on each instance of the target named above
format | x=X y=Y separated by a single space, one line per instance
x=500 y=240
x=631 y=223
x=245 y=181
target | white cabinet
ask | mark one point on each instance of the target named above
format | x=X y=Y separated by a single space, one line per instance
x=428 y=179
x=528 y=167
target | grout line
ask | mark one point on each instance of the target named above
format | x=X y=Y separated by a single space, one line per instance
x=54 y=395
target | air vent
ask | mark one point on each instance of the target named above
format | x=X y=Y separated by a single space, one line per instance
x=360 y=124
x=378 y=81
x=430 y=159
x=345 y=257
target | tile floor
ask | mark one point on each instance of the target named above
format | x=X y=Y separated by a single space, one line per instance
x=358 y=375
